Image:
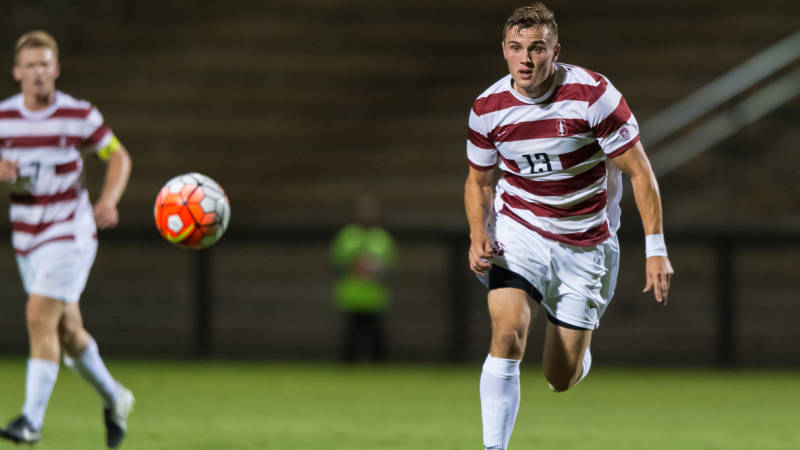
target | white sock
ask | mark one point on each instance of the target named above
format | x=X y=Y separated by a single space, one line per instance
x=586 y=363
x=92 y=369
x=39 y=382
x=499 y=390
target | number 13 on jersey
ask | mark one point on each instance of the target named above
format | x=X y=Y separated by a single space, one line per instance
x=539 y=163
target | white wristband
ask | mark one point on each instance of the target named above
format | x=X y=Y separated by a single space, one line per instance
x=654 y=245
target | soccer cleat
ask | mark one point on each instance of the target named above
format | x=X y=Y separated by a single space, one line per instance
x=116 y=418
x=21 y=431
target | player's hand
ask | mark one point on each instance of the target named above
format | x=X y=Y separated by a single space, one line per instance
x=480 y=250
x=9 y=170
x=105 y=215
x=659 y=272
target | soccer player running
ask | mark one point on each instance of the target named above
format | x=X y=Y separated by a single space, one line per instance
x=54 y=229
x=561 y=136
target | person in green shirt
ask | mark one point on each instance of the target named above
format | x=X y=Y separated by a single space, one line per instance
x=361 y=253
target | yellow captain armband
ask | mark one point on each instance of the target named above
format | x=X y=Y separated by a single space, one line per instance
x=112 y=146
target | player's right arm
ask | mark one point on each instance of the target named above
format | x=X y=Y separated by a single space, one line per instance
x=9 y=170
x=478 y=194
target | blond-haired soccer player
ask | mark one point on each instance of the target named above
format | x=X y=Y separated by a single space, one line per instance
x=561 y=136
x=43 y=133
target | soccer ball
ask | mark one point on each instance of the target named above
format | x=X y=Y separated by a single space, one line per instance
x=192 y=211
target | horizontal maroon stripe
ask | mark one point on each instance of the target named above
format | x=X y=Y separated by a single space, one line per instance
x=71 y=113
x=595 y=76
x=40 y=141
x=495 y=102
x=538 y=129
x=54 y=239
x=36 y=228
x=624 y=148
x=10 y=114
x=30 y=199
x=560 y=187
x=614 y=121
x=580 y=155
x=481 y=168
x=71 y=166
x=590 y=206
x=579 y=92
x=510 y=163
x=478 y=140
x=588 y=238
x=98 y=134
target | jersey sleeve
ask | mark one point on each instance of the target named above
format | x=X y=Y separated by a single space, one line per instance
x=99 y=138
x=613 y=123
x=481 y=152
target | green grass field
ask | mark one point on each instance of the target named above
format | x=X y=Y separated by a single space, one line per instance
x=233 y=405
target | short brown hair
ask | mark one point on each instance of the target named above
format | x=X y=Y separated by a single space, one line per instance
x=35 y=39
x=536 y=14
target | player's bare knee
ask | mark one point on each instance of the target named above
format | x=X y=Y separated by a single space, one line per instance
x=560 y=378
x=68 y=334
x=559 y=384
x=509 y=342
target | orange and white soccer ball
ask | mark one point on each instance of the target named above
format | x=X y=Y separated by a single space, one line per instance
x=192 y=211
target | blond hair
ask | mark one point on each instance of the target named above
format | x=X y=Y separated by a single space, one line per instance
x=35 y=39
x=536 y=14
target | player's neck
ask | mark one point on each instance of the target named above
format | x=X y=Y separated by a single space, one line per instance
x=38 y=102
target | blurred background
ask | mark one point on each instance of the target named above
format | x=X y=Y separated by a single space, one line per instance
x=297 y=107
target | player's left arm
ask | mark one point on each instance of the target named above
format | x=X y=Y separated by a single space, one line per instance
x=118 y=170
x=634 y=163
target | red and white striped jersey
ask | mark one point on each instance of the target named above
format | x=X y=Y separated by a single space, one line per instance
x=49 y=202
x=554 y=153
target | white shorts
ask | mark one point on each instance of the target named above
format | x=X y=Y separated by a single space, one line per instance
x=576 y=283
x=58 y=270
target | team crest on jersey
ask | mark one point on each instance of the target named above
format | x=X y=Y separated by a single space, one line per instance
x=625 y=133
x=562 y=127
